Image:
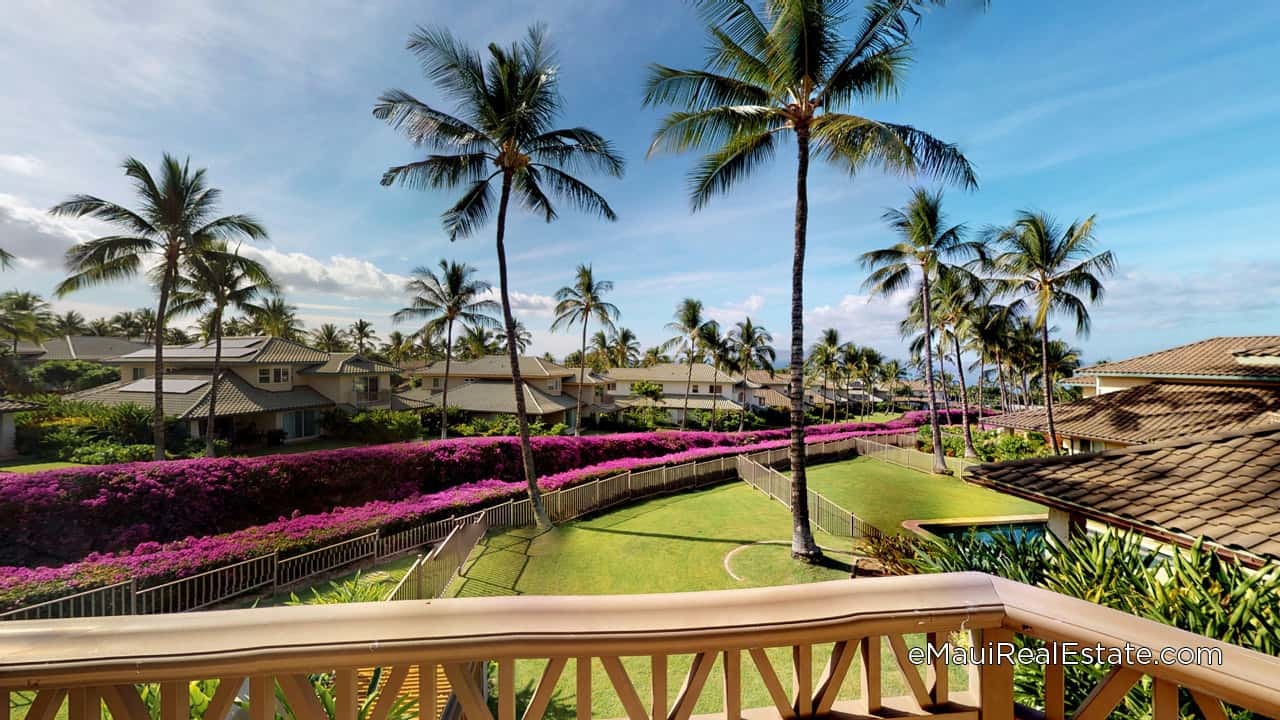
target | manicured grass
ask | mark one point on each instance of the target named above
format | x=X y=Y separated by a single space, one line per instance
x=384 y=577
x=885 y=495
x=26 y=465
x=671 y=544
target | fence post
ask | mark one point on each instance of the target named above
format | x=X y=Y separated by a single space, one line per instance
x=133 y=596
x=377 y=544
x=275 y=570
x=418 y=571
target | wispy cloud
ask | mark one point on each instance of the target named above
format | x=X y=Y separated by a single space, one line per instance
x=20 y=164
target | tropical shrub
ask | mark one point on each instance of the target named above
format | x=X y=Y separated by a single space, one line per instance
x=71 y=375
x=373 y=426
x=503 y=425
x=991 y=445
x=104 y=452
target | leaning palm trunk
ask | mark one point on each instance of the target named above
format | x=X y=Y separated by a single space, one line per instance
x=939 y=460
x=582 y=377
x=803 y=546
x=210 y=450
x=684 y=414
x=444 y=394
x=157 y=408
x=1047 y=382
x=982 y=376
x=522 y=419
x=969 y=452
x=715 y=372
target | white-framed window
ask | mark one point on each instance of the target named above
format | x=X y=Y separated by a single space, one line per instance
x=716 y=389
x=695 y=389
x=299 y=424
x=553 y=385
x=139 y=373
x=264 y=376
x=435 y=383
x=279 y=375
x=611 y=386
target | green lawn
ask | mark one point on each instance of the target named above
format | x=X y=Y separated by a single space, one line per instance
x=27 y=465
x=885 y=495
x=670 y=544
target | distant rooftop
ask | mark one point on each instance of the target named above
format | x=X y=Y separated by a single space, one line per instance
x=236 y=351
x=93 y=348
x=498 y=367
x=671 y=372
x=1226 y=358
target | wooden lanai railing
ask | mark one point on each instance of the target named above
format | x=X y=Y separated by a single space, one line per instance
x=769 y=640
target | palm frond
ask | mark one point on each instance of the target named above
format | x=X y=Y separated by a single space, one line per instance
x=575 y=192
x=699 y=89
x=720 y=170
x=579 y=147
x=469 y=213
x=424 y=125
x=441 y=171
x=527 y=186
x=680 y=131
x=857 y=141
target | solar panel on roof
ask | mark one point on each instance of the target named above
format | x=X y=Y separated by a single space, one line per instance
x=178 y=386
x=241 y=342
x=206 y=352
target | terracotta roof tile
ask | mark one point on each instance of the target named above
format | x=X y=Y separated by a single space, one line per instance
x=1235 y=499
x=1212 y=358
x=1156 y=411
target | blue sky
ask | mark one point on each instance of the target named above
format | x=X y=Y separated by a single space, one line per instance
x=1161 y=118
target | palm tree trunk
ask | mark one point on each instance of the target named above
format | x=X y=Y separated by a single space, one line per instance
x=982 y=377
x=1004 y=386
x=162 y=307
x=209 y=449
x=803 y=546
x=522 y=419
x=444 y=394
x=715 y=372
x=688 y=383
x=969 y=451
x=1047 y=382
x=939 y=460
x=582 y=377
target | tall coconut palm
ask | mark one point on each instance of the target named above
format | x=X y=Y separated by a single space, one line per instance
x=362 y=334
x=716 y=347
x=215 y=280
x=329 y=338
x=686 y=323
x=399 y=347
x=70 y=323
x=955 y=294
x=894 y=374
x=6 y=259
x=523 y=338
x=24 y=316
x=926 y=244
x=624 y=348
x=440 y=299
x=275 y=317
x=789 y=71
x=502 y=135
x=867 y=368
x=656 y=355
x=824 y=358
x=753 y=347
x=579 y=304
x=477 y=342
x=177 y=216
x=1058 y=272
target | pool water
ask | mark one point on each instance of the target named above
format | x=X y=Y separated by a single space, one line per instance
x=1014 y=530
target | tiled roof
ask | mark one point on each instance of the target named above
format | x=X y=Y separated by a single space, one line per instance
x=779 y=377
x=235 y=396
x=1212 y=358
x=676 y=402
x=498 y=366
x=92 y=348
x=773 y=398
x=487 y=396
x=1224 y=486
x=236 y=351
x=671 y=372
x=12 y=405
x=351 y=364
x=1152 y=412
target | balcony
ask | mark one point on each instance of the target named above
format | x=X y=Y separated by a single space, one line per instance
x=263 y=655
x=367 y=398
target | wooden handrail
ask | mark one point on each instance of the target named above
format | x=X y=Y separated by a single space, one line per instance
x=108 y=656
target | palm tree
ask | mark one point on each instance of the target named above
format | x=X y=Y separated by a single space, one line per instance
x=399 y=347
x=176 y=218
x=753 y=347
x=276 y=318
x=716 y=346
x=70 y=323
x=329 y=338
x=100 y=327
x=214 y=280
x=867 y=368
x=579 y=303
x=824 y=358
x=598 y=357
x=24 y=316
x=686 y=323
x=656 y=355
x=508 y=105
x=955 y=294
x=477 y=342
x=894 y=374
x=926 y=245
x=522 y=336
x=146 y=319
x=362 y=334
x=790 y=71
x=624 y=348
x=6 y=259
x=440 y=300
x=1053 y=268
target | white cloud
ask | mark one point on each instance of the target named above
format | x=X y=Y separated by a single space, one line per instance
x=524 y=304
x=730 y=313
x=864 y=321
x=19 y=164
x=1226 y=293
x=339 y=275
x=36 y=238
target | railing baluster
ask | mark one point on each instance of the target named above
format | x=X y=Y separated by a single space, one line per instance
x=802 y=679
x=582 y=699
x=995 y=680
x=732 y=684
x=869 y=652
x=658 y=675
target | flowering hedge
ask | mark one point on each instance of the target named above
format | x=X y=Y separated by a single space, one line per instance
x=62 y=515
x=151 y=563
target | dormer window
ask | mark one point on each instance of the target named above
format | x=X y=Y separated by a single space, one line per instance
x=273 y=376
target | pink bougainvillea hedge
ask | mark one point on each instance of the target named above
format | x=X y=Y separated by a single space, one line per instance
x=151 y=562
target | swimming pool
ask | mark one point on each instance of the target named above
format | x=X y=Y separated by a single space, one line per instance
x=1017 y=530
